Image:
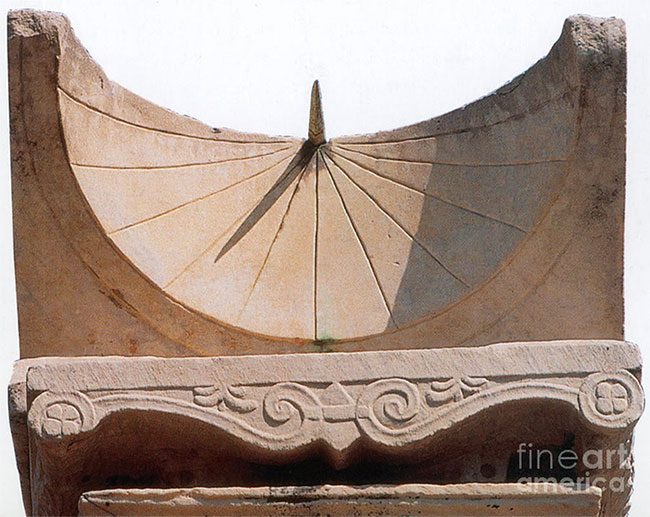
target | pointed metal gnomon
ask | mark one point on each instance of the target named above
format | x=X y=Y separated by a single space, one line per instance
x=295 y=168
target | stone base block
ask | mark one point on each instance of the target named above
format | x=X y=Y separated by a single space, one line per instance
x=443 y=417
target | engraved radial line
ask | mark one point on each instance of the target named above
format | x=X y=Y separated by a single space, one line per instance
x=316 y=225
x=428 y=194
x=396 y=141
x=363 y=246
x=275 y=238
x=196 y=200
x=208 y=248
x=295 y=168
x=534 y=109
x=164 y=131
x=456 y=164
x=179 y=166
x=396 y=223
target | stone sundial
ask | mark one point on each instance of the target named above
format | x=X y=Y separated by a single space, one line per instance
x=321 y=240
x=197 y=240
x=191 y=300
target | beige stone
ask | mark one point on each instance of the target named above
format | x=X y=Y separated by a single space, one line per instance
x=463 y=274
x=451 y=500
x=140 y=231
x=342 y=417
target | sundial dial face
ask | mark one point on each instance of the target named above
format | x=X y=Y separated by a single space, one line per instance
x=139 y=231
x=320 y=240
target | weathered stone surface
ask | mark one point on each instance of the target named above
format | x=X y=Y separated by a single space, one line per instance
x=139 y=231
x=452 y=500
x=88 y=419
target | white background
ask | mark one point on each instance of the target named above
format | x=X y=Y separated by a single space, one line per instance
x=250 y=65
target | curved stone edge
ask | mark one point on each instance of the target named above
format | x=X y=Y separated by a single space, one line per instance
x=590 y=57
x=79 y=74
x=585 y=43
x=45 y=57
x=44 y=54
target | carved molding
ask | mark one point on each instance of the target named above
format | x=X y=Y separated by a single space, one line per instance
x=334 y=404
x=392 y=412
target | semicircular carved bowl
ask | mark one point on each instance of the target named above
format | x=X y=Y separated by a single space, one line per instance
x=435 y=234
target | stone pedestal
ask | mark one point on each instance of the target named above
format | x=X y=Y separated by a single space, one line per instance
x=472 y=415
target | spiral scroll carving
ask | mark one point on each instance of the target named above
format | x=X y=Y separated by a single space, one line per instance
x=390 y=404
x=392 y=411
x=288 y=403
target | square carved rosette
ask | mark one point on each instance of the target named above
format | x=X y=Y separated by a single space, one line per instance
x=423 y=410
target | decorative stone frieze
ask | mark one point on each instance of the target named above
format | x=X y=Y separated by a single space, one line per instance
x=338 y=404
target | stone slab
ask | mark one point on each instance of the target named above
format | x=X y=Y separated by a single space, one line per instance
x=469 y=500
x=555 y=358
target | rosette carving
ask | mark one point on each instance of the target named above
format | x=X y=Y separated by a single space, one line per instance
x=392 y=411
x=611 y=400
x=57 y=415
